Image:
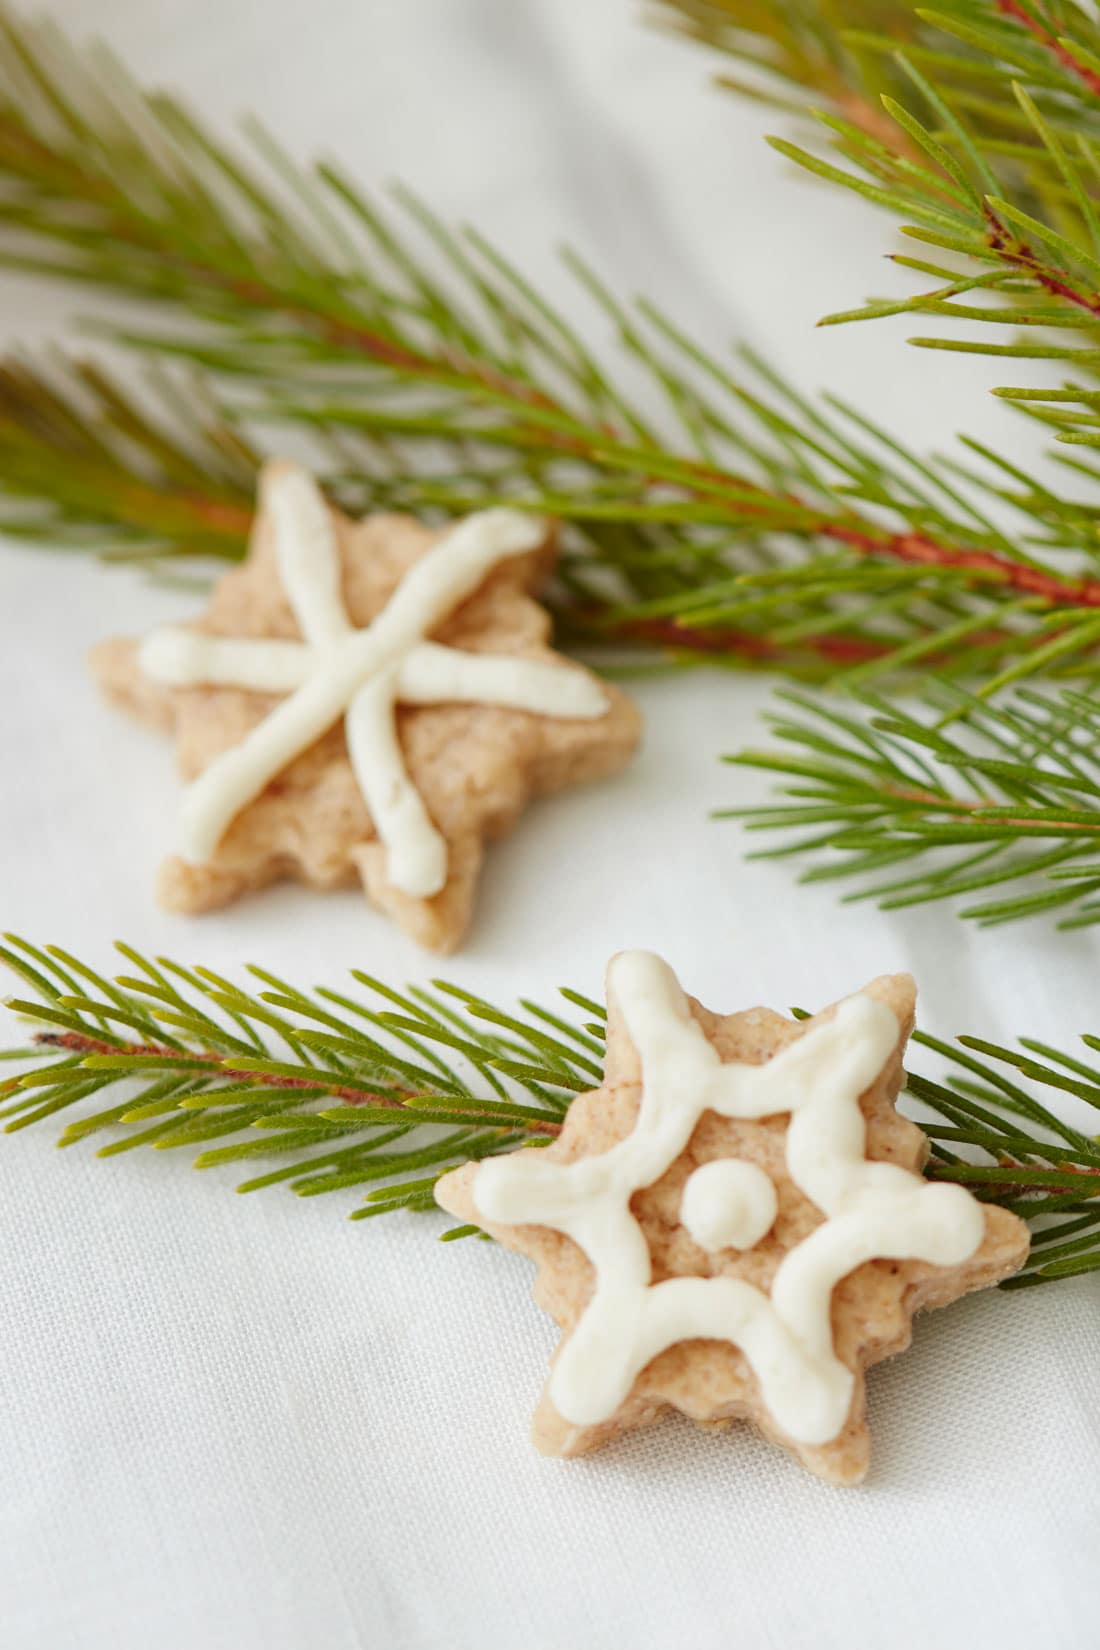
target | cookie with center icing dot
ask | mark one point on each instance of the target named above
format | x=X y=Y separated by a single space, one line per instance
x=735 y=1224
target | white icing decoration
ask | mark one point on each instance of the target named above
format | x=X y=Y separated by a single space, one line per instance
x=873 y=1210
x=728 y=1204
x=337 y=670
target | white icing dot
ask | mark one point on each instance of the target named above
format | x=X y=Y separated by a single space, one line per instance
x=728 y=1204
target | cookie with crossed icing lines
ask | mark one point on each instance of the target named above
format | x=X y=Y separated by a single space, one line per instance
x=373 y=699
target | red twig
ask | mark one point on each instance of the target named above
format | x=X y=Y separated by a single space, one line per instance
x=839 y=650
x=1018 y=576
x=1062 y=54
x=78 y=1042
x=140 y=507
x=993 y=813
x=1020 y=255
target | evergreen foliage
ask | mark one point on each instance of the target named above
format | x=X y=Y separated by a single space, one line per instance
x=334 y=1091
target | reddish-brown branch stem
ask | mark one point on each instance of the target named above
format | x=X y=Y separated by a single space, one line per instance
x=363 y=341
x=78 y=1042
x=140 y=507
x=844 y=651
x=1020 y=255
x=1062 y=54
x=968 y=805
x=1020 y=577
x=230 y=520
x=1001 y=1191
x=839 y=650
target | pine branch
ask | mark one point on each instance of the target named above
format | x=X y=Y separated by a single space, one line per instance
x=792 y=54
x=92 y=464
x=848 y=57
x=1007 y=185
x=329 y=1086
x=965 y=799
x=332 y=1087
x=85 y=463
x=765 y=531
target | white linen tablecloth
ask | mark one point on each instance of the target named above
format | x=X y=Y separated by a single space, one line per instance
x=230 y=1424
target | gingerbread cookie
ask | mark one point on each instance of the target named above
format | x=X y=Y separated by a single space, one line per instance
x=373 y=698
x=734 y=1225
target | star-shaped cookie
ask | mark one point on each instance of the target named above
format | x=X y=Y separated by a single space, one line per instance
x=375 y=699
x=735 y=1224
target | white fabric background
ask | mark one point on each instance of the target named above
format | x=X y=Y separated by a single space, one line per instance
x=228 y=1424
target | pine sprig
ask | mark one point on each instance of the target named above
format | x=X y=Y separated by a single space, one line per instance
x=997 y=805
x=331 y=1087
x=848 y=57
x=381 y=1091
x=87 y=462
x=90 y=463
x=1004 y=187
x=715 y=514
x=794 y=54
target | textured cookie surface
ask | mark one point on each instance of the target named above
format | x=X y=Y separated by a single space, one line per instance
x=474 y=766
x=869 y=1310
